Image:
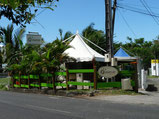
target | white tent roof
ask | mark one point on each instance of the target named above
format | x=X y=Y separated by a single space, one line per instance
x=81 y=51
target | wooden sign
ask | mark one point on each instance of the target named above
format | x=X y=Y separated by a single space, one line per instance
x=107 y=71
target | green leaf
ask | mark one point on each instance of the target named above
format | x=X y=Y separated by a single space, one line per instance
x=48 y=54
x=49 y=8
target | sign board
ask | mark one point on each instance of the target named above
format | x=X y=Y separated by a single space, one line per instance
x=107 y=71
x=154 y=61
x=34 y=39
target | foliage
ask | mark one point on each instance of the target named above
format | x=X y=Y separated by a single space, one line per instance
x=3 y=87
x=12 y=41
x=142 y=49
x=96 y=36
x=4 y=82
x=21 y=11
x=0 y=61
x=46 y=59
x=36 y=59
x=66 y=35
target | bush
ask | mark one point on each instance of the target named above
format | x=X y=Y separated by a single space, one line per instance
x=3 y=87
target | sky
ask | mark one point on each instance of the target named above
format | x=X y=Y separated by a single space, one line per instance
x=73 y=15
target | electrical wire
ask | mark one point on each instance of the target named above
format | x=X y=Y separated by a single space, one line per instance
x=149 y=11
x=133 y=7
x=39 y=23
x=121 y=7
x=127 y=24
x=130 y=5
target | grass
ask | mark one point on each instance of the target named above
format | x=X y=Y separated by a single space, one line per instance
x=107 y=91
x=117 y=92
x=3 y=83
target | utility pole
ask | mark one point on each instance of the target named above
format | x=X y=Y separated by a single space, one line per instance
x=109 y=25
x=113 y=21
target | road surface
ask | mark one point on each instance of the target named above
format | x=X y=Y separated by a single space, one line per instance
x=35 y=106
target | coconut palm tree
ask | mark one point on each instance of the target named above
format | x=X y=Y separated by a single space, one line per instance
x=66 y=35
x=12 y=41
x=96 y=36
x=44 y=60
x=54 y=55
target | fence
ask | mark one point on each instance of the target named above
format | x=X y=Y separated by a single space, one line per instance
x=50 y=80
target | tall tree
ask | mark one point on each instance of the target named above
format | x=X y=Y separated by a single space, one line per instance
x=22 y=11
x=12 y=40
x=140 y=48
x=95 y=36
x=155 y=49
x=64 y=36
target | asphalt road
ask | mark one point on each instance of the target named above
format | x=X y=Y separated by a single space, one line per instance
x=35 y=106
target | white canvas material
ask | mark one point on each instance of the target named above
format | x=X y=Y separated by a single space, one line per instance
x=81 y=51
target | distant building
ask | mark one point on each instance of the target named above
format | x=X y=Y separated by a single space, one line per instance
x=34 y=38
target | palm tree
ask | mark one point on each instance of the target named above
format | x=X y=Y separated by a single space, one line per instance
x=54 y=55
x=12 y=41
x=44 y=60
x=96 y=36
x=66 y=35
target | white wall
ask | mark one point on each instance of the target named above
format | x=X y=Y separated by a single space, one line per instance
x=155 y=69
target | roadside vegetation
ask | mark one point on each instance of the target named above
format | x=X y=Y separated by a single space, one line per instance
x=116 y=92
x=35 y=59
x=4 y=83
x=105 y=91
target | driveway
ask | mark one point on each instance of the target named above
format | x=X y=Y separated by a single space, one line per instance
x=146 y=98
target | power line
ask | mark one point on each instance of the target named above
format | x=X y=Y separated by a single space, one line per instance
x=131 y=5
x=39 y=23
x=40 y=12
x=127 y=24
x=149 y=11
x=138 y=11
x=134 y=8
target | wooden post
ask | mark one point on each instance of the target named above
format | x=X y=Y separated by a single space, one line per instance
x=20 y=79
x=95 y=77
x=29 y=81
x=136 y=77
x=53 y=82
x=12 y=79
x=39 y=82
x=67 y=79
x=94 y=74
